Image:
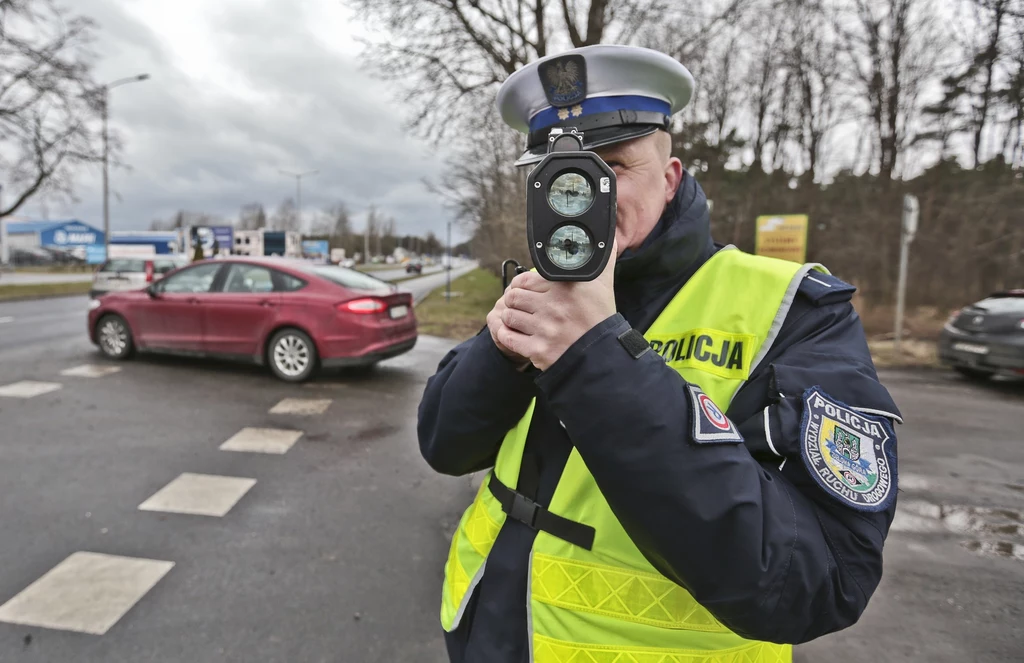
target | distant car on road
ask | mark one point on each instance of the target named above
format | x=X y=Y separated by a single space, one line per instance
x=134 y=273
x=986 y=337
x=414 y=268
x=291 y=315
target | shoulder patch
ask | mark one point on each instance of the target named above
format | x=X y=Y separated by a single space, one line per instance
x=847 y=452
x=822 y=289
x=710 y=425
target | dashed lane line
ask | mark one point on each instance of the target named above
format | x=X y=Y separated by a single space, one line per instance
x=88 y=592
x=302 y=406
x=262 y=440
x=199 y=495
x=90 y=371
x=28 y=389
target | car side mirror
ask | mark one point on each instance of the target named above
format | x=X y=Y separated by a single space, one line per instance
x=153 y=292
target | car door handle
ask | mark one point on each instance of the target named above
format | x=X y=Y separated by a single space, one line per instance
x=193 y=300
x=267 y=302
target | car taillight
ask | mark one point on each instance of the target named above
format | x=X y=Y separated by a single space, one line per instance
x=363 y=306
x=149 y=271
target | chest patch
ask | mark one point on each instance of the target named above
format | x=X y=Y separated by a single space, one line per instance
x=847 y=452
x=710 y=425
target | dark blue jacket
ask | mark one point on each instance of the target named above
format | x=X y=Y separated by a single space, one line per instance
x=743 y=527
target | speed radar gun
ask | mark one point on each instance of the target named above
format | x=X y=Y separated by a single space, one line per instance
x=570 y=211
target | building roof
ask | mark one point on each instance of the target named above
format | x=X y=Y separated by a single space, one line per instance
x=21 y=227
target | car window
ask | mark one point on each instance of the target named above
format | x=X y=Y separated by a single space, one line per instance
x=1000 y=305
x=248 y=278
x=124 y=265
x=162 y=266
x=287 y=282
x=192 y=280
x=350 y=278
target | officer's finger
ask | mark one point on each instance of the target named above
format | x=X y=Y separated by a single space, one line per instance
x=522 y=299
x=531 y=281
x=518 y=320
x=515 y=342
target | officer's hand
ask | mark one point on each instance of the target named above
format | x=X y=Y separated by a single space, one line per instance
x=494 y=324
x=541 y=319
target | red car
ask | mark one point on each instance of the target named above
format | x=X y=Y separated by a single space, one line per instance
x=291 y=315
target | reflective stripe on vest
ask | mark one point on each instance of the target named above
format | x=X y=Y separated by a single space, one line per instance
x=609 y=603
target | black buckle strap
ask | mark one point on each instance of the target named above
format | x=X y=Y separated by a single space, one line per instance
x=607 y=120
x=533 y=515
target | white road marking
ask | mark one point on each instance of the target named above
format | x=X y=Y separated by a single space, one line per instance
x=262 y=440
x=87 y=592
x=28 y=389
x=6 y=318
x=199 y=494
x=90 y=371
x=302 y=406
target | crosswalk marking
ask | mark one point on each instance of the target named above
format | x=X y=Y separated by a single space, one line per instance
x=302 y=406
x=262 y=440
x=87 y=592
x=90 y=371
x=199 y=494
x=28 y=389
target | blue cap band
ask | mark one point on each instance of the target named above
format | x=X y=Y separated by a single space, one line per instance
x=549 y=116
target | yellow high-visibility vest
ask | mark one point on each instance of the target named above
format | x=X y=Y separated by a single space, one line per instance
x=609 y=603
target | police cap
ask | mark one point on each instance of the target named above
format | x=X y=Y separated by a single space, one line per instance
x=610 y=93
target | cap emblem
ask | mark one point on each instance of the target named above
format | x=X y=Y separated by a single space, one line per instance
x=564 y=80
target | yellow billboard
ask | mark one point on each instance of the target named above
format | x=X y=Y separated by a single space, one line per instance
x=782 y=236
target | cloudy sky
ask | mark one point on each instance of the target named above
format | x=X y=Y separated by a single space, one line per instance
x=240 y=90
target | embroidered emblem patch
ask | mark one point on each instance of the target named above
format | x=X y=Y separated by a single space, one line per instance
x=847 y=452
x=710 y=425
x=564 y=80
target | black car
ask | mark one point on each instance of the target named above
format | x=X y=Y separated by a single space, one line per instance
x=414 y=268
x=987 y=337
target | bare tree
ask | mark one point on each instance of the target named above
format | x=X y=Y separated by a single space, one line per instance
x=892 y=50
x=341 y=227
x=994 y=14
x=48 y=100
x=814 y=60
x=252 y=216
x=286 y=217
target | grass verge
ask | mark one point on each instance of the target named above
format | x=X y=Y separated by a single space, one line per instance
x=465 y=314
x=57 y=269
x=38 y=290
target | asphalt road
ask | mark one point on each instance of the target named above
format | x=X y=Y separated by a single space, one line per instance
x=399 y=272
x=336 y=552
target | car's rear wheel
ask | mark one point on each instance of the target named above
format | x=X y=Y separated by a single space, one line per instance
x=114 y=337
x=292 y=355
x=974 y=373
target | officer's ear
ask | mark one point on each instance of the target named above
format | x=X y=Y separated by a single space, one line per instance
x=673 y=176
x=673 y=166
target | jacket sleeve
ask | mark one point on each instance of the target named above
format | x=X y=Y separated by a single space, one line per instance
x=470 y=403
x=767 y=550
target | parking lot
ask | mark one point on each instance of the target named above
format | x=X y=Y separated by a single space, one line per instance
x=223 y=515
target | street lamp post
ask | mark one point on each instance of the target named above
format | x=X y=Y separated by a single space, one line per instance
x=448 y=266
x=298 y=190
x=106 y=155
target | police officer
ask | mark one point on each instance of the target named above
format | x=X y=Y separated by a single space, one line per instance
x=693 y=458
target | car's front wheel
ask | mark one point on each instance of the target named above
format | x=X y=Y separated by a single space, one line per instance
x=292 y=355
x=114 y=337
